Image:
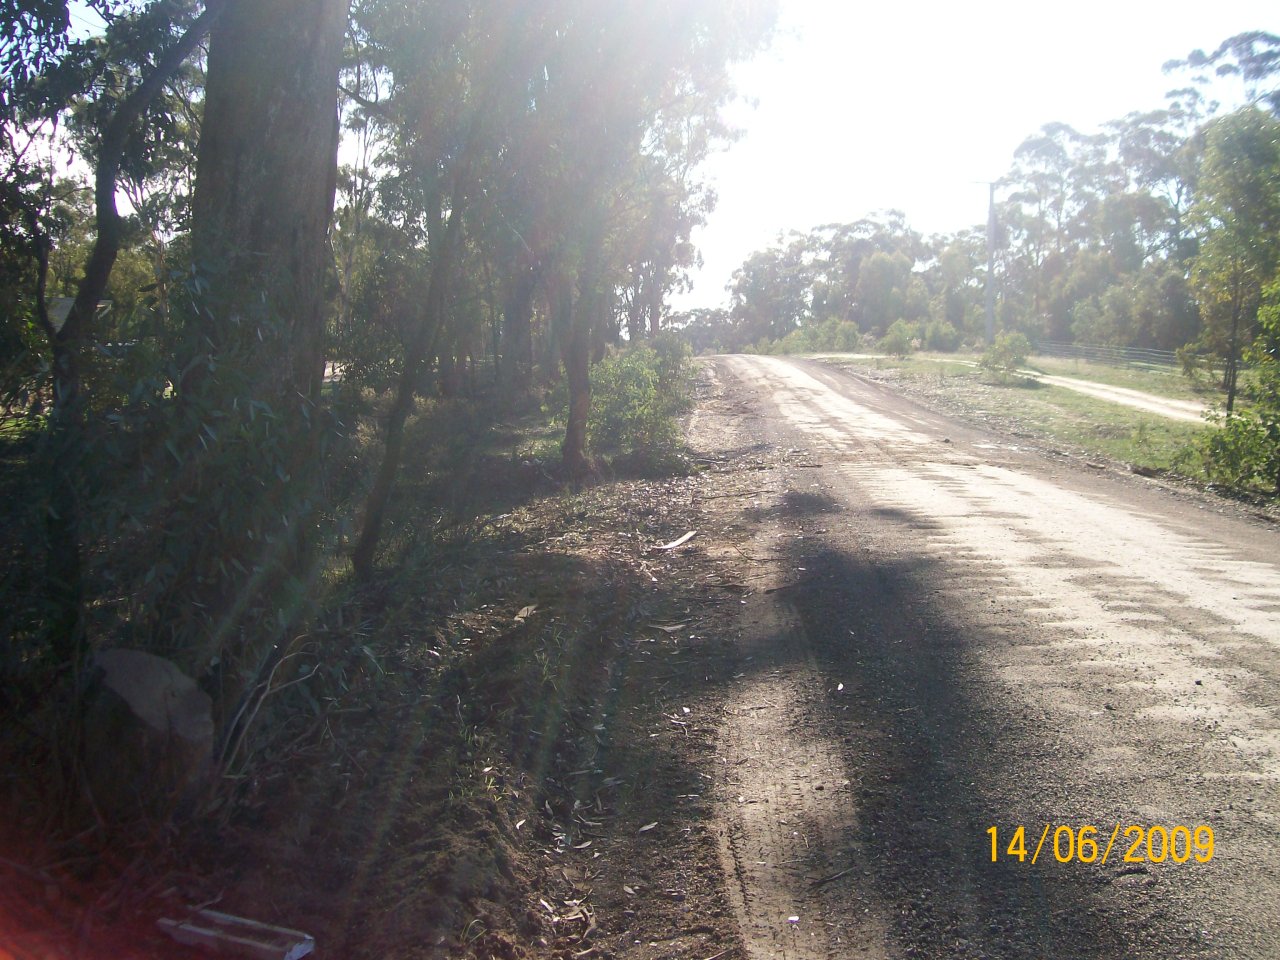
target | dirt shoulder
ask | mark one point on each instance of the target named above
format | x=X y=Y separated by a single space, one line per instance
x=1188 y=410
x=506 y=747
x=936 y=633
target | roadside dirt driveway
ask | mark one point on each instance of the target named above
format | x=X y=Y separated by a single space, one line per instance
x=1189 y=411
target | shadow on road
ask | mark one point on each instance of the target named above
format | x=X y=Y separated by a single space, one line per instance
x=937 y=759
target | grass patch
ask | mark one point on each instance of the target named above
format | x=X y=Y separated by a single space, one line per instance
x=1098 y=427
x=1053 y=415
x=1159 y=381
x=919 y=365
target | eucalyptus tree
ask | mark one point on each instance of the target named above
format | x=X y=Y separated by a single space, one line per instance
x=955 y=282
x=1253 y=57
x=619 y=79
x=452 y=72
x=771 y=294
x=1037 y=215
x=842 y=253
x=1158 y=151
x=118 y=80
x=1238 y=212
x=669 y=201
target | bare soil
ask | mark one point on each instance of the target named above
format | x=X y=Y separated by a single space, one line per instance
x=977 y=635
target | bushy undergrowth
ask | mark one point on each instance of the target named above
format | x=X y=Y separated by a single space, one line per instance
x=900 y=339
x=637 y=397
x=1006 y=355
x=844 y=336
x=836 y=336
x=1244 y=452
x=941 y=336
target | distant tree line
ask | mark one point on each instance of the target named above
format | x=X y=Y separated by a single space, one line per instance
x=1127 y=237
x=1160 y=231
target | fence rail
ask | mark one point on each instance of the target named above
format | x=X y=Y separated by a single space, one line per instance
x=1116 y=356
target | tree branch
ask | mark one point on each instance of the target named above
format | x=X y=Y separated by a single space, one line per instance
x=114 y=140
x=373 y=106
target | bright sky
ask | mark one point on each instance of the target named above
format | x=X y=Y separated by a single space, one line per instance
x=901 y=104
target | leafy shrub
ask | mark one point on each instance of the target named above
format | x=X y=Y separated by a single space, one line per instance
x=831 y=334
x=1244 y=452
x=1199 y=368
x=1007 y=354
x=899 y=339
x=942 y=336
x=203 y=499
x=637 y=397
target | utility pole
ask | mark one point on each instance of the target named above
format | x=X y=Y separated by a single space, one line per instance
x=991 y=263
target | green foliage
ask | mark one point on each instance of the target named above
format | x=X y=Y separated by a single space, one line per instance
x=638 y=396
x=1237 y=210
x=831 y=335
x=899 y=340
x=1199 y=368
x=201 y=490
x=1007 y=354
x=942 y=337
x=770 y=294
x=887 y=291
x=1245 y=451
x=705 y=330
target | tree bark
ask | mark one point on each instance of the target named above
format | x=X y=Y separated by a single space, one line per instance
x=575 y=347
x=654 y=296
x=1230 y=370
x=266 y=177
x=517 y=331
x=635 y=308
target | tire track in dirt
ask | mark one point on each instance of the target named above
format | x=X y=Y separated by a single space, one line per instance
x=784 y=791
x=786 y=800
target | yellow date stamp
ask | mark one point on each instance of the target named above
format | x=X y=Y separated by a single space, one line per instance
x=1089 y=844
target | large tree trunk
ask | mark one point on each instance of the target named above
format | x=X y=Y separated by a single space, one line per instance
x=581 y=303
x=654 y=296
x=573 y=312
x=1230 y=369
x=266 y=176
x=575 y=352
x=635 y=308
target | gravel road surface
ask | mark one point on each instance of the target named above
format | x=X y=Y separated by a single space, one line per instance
x=949 y=634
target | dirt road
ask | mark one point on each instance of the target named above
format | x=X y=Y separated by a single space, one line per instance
x=945 y=635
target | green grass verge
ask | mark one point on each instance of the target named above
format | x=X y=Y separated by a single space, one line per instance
x=1053 y=415
x=1159 y=381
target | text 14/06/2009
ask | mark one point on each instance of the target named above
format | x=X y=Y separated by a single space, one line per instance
x=1087 y=844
